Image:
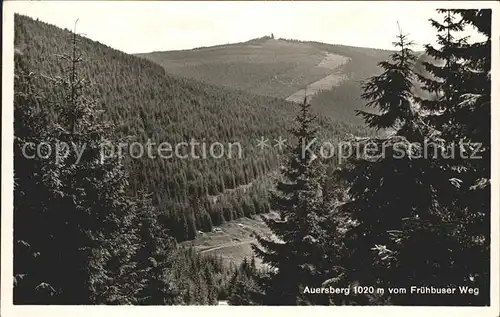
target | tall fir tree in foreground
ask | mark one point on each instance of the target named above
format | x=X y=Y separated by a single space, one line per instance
x=460 y=223
x=156 y=258
x=76 y=231
x=384 y=191
x=421 y=210
x=295 y=250
x=475 y=109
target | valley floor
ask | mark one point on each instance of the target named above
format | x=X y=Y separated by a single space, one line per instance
x=232 y=240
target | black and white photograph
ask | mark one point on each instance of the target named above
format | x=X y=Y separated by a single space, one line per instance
x=250 y=153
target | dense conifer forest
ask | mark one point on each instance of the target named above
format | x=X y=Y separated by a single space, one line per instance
x=145 y=104
x=396 y=218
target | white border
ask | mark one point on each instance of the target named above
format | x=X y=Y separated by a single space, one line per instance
x=7 y=309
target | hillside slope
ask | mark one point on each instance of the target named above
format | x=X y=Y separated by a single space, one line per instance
x=148 y=104
x=287 y=69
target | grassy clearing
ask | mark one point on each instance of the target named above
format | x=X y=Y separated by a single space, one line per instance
x=232 y=240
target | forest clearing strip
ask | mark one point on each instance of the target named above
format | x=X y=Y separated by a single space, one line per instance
x=331 y=61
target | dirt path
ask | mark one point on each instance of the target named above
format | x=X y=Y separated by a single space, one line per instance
x=229 y=244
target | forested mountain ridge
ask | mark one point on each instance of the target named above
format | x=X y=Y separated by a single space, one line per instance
x=329 y=74
x=390 y=224
x=283 y=68
x=146 y=103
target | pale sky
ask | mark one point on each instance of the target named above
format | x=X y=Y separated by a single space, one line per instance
x=136 y=27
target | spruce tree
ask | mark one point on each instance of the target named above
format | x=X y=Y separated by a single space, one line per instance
x=443 y=81
x=461 y=114
x=295 y=249
x=386 y=191
x=390 y=92
x=75 y=226
x=244 y=289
